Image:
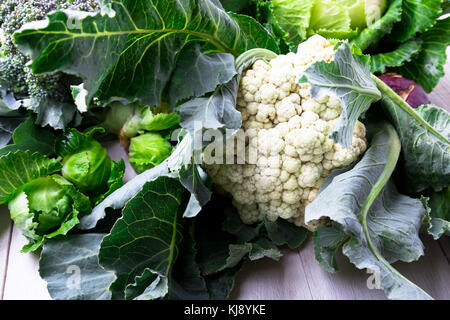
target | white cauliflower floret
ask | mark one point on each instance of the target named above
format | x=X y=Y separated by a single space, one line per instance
x=289 y=132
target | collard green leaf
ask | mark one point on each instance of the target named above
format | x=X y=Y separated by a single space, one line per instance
x=223 y=240
x=208 y=70
x=147 y=281
x=194 y=179
x=70 y=267
x=28 y=136
x=399 y=56
x=383 y=225
x=147 y=236
x=185 y=280
x=221 y=284
x=7 y=127
x=438 y=208
x=233 y=225
x=427 y=68
x=327 y=240
x=137 y=39
x=213 y=112
x=348 y=79
x=20 y=167
x=371 y=35
x=425 y=134
x=417 y=17
x=282 y=232
x=51 y=112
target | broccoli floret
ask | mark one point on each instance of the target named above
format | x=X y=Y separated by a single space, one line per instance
x=13 y=70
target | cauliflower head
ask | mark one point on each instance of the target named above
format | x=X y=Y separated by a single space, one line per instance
x=289 y=132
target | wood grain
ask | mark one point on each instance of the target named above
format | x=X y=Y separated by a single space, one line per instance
x=23 y=281
x=5 y=238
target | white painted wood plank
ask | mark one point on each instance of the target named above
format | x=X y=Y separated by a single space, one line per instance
x=348 y=284
x=23 y=281
x=5 y=236
x=431 y=272
x=441 y=94
x=444 y=244
x=273 y=280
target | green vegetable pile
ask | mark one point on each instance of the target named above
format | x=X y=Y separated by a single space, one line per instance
x=153 y=76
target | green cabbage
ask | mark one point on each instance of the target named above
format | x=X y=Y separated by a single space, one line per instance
x=340 y=19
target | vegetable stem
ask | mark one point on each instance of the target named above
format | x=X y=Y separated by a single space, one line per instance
x=391 y=162
x=252 y=53
x=386 y=90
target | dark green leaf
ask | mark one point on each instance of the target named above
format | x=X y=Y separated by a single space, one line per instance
x=70 y=267
x=221 y=284
x=138 y=40
x=399 y=56
x=327 y=240
x=194 y=179
x=7 y=127
x=439 y=213
x=417 y=17
x=428 y=67
x=208 y=70
x=147 y=236
x=185 y=281
x=282 y=232
x=29 y=137
x=234 y=225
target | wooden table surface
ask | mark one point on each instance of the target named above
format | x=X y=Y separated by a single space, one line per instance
x=296 y=276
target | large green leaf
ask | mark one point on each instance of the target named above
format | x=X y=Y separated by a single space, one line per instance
x=27 y=136
x=418 y=16
x=147 y=236
x=425 y=137
x=427 y=68
x=208 y=70
x=282 y=232
x=7 y=127
x=327 y=241
x=348 y=78
x=138 y=42
x=185 y=281
x=395 y=58
x=20 y=167
x=439 y=213
x=70 y=267
x=371 y=35
x=383 y=225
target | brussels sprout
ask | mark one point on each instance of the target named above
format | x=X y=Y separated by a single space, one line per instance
x=46 y=207
x=89 y=168
x=148 y=150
